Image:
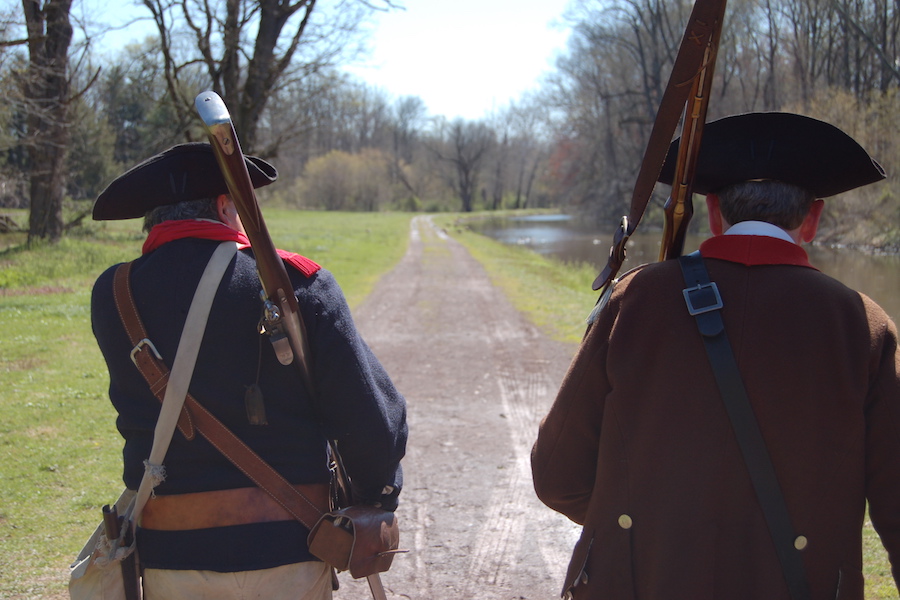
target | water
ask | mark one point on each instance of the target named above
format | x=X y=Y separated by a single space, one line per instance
x=571 y=240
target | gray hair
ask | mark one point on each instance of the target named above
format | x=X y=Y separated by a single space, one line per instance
x=191 y=209
x=774 y=202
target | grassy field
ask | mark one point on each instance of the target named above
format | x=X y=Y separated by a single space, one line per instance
x=60 y=454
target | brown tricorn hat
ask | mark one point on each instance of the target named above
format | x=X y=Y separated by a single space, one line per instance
x=181 y=173
x=785 y=147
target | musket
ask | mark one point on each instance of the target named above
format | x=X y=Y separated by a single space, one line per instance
x=679 y=207
x=686 y=95
x=283 y=321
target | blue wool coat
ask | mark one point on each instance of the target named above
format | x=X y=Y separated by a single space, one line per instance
x=356 y=403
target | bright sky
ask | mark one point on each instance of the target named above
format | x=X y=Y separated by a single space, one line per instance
x=464 y=58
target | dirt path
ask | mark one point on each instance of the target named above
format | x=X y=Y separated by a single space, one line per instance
x=477 y=378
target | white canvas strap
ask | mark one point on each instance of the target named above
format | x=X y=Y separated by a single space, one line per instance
x=182 y=371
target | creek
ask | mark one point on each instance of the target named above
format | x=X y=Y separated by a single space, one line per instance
x=571 y=240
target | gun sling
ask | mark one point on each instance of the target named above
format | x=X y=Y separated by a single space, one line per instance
x=704 y=303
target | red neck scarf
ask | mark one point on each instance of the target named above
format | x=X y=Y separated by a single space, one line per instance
x=169 y=231
x=753 y=250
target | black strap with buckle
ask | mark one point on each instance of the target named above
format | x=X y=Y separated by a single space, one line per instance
x=704 y=303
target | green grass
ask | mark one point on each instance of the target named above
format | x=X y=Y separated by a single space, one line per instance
x=60 y=454
x=357 y=247
x=556 y=296
x=876 y=567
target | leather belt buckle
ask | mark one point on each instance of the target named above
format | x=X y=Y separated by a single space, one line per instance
x=140 y=346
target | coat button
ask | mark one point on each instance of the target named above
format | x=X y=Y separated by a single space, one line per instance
x=801 y=542
x=625 y=522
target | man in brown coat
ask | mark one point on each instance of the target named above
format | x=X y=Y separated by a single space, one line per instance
x=638 y=446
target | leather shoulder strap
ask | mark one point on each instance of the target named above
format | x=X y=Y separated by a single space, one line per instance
x=195 y=417
x=144 y=354
x=704 y=303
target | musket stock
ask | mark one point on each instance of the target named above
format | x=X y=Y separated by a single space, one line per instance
x=112 y=525
x=686 y=96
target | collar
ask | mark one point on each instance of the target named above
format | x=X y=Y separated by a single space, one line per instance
x=759 y=228
x=205 y=229
x=755 y=250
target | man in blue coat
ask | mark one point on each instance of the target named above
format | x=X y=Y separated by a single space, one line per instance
x=192 y=542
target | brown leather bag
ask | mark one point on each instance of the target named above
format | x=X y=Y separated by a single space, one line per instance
x=360 y=539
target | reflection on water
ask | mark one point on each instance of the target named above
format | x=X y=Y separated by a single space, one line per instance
x=571 y=240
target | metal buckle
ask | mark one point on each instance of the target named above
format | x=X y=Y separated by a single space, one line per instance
x=139 y=347
x=702 y=299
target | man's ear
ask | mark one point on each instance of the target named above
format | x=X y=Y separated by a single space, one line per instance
x=222 y=203
x=810 y=224
x=716 y=224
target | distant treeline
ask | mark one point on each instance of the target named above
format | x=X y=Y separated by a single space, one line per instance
x=576 y=142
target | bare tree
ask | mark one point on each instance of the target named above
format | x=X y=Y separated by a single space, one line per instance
x=46 y=97
x=529 y=147
x=501 y=155
x=409 y=119
x=464 y=146
x=250 y=49
x=878 y=28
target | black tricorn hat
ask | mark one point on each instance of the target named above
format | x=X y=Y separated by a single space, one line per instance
x=183 y=172
x=778 y=146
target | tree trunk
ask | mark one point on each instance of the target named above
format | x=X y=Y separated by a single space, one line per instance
x=46 y=95
x=467 y=184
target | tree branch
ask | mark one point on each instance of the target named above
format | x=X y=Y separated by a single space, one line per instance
x=22 y=42
x=886 y=60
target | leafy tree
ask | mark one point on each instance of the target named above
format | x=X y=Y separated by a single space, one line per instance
x=131 y=93
x=13 y=192
x=90 y=160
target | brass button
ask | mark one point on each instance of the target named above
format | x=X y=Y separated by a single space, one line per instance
x=625 y=522
x=801 y=542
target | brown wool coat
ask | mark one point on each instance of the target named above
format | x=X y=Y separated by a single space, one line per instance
x=638 y=448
